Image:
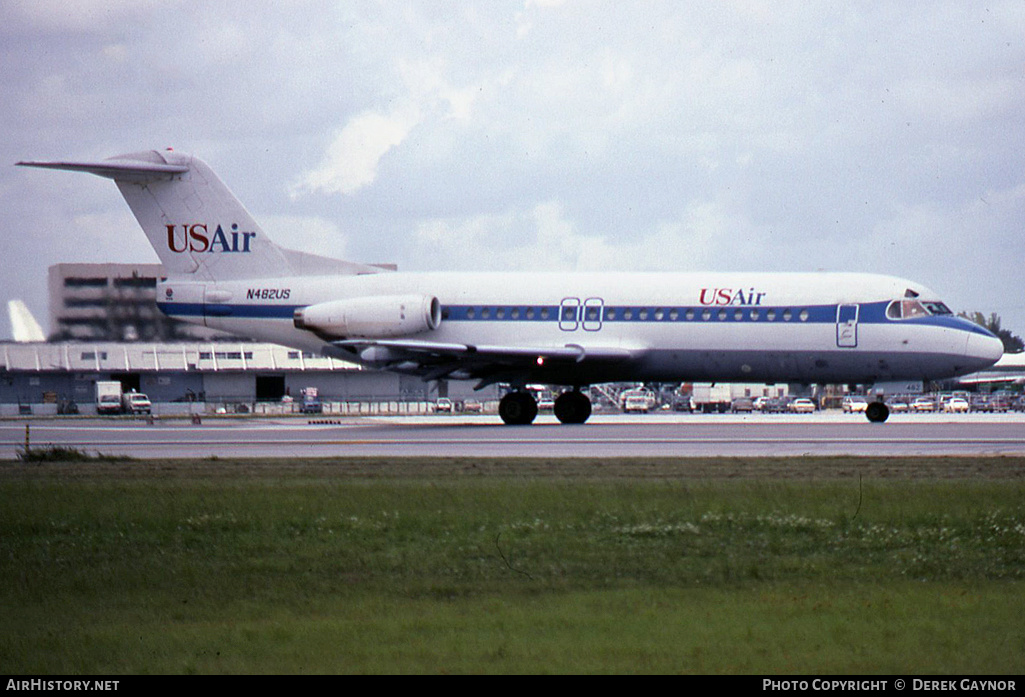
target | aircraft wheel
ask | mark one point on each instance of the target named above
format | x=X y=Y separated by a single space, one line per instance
x=877 y=412
x=517 y=408
x=572 y=407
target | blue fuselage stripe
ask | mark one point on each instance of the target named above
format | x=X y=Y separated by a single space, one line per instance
x=868 y=313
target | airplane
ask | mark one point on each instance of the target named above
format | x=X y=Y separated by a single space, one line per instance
x=1010 y=369
x=567 y=329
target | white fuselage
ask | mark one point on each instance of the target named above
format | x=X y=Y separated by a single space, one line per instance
x=809 y=328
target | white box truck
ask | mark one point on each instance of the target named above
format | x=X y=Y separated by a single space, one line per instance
x=108 y=397
x=710 y=398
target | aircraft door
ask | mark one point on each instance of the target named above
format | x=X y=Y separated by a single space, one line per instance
x=593 y=308
x=847 y=326
x=569 y=314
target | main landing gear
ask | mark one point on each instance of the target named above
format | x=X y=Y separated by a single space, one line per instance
x=572 y=407
x=519 y=408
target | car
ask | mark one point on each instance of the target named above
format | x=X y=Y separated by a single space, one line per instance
x=801 y=406
x=742 y=404
x=137 y=403
x=546 y=404
x=443 y=406
x=775 y=405
x=956 y=405
x=472 y=406
x=311 y=407
x=979 y=402
x=1000 y=401
x=854 y=405
x=922 y=404
x=898 y=405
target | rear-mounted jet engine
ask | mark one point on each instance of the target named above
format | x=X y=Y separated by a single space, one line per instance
x=375 y=317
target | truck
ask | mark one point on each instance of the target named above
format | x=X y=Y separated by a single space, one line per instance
x=136 y=403
x=710 y=397
x=108 y=397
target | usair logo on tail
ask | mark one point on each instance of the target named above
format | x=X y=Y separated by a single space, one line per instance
x=196 y=237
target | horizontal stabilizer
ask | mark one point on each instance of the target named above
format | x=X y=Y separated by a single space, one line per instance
x=125 y=170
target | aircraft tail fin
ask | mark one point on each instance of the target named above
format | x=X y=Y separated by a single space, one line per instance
x=196 y=225
x=23 y=324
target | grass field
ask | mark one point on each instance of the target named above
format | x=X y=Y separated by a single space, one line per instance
x=811 y=565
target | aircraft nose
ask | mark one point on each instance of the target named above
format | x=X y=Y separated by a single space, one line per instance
x=986 y=348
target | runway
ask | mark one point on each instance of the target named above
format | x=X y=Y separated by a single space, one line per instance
x=474 y=436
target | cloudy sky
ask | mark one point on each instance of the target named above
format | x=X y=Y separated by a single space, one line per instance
x=538 y=134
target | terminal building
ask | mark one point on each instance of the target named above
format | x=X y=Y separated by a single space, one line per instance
x=61 y=377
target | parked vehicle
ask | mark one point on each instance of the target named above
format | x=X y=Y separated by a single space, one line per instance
x=136 y=403
x=801 y=406
x=638 y=401
x=979 y=402
x=923 y=404
x=742 y=404
x=108 y=397
x=443 y=406
x=1000 y=401
x=898 y=405
x=956 y=405
x=854 y=404
x=711 y=398
x=311 y=401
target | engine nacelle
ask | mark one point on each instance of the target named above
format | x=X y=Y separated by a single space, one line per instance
x=375 y=317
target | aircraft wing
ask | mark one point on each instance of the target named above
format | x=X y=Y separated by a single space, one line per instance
x=434 y=360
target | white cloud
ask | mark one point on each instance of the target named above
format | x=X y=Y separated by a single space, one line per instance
x=352 y=158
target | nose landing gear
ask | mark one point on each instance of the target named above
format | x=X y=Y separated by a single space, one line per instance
x=877 y=412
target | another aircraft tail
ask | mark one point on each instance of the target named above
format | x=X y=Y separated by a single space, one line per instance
x=23 y=325
x=196 y=225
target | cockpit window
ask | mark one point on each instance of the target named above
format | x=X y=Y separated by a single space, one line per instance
x=909 y=309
